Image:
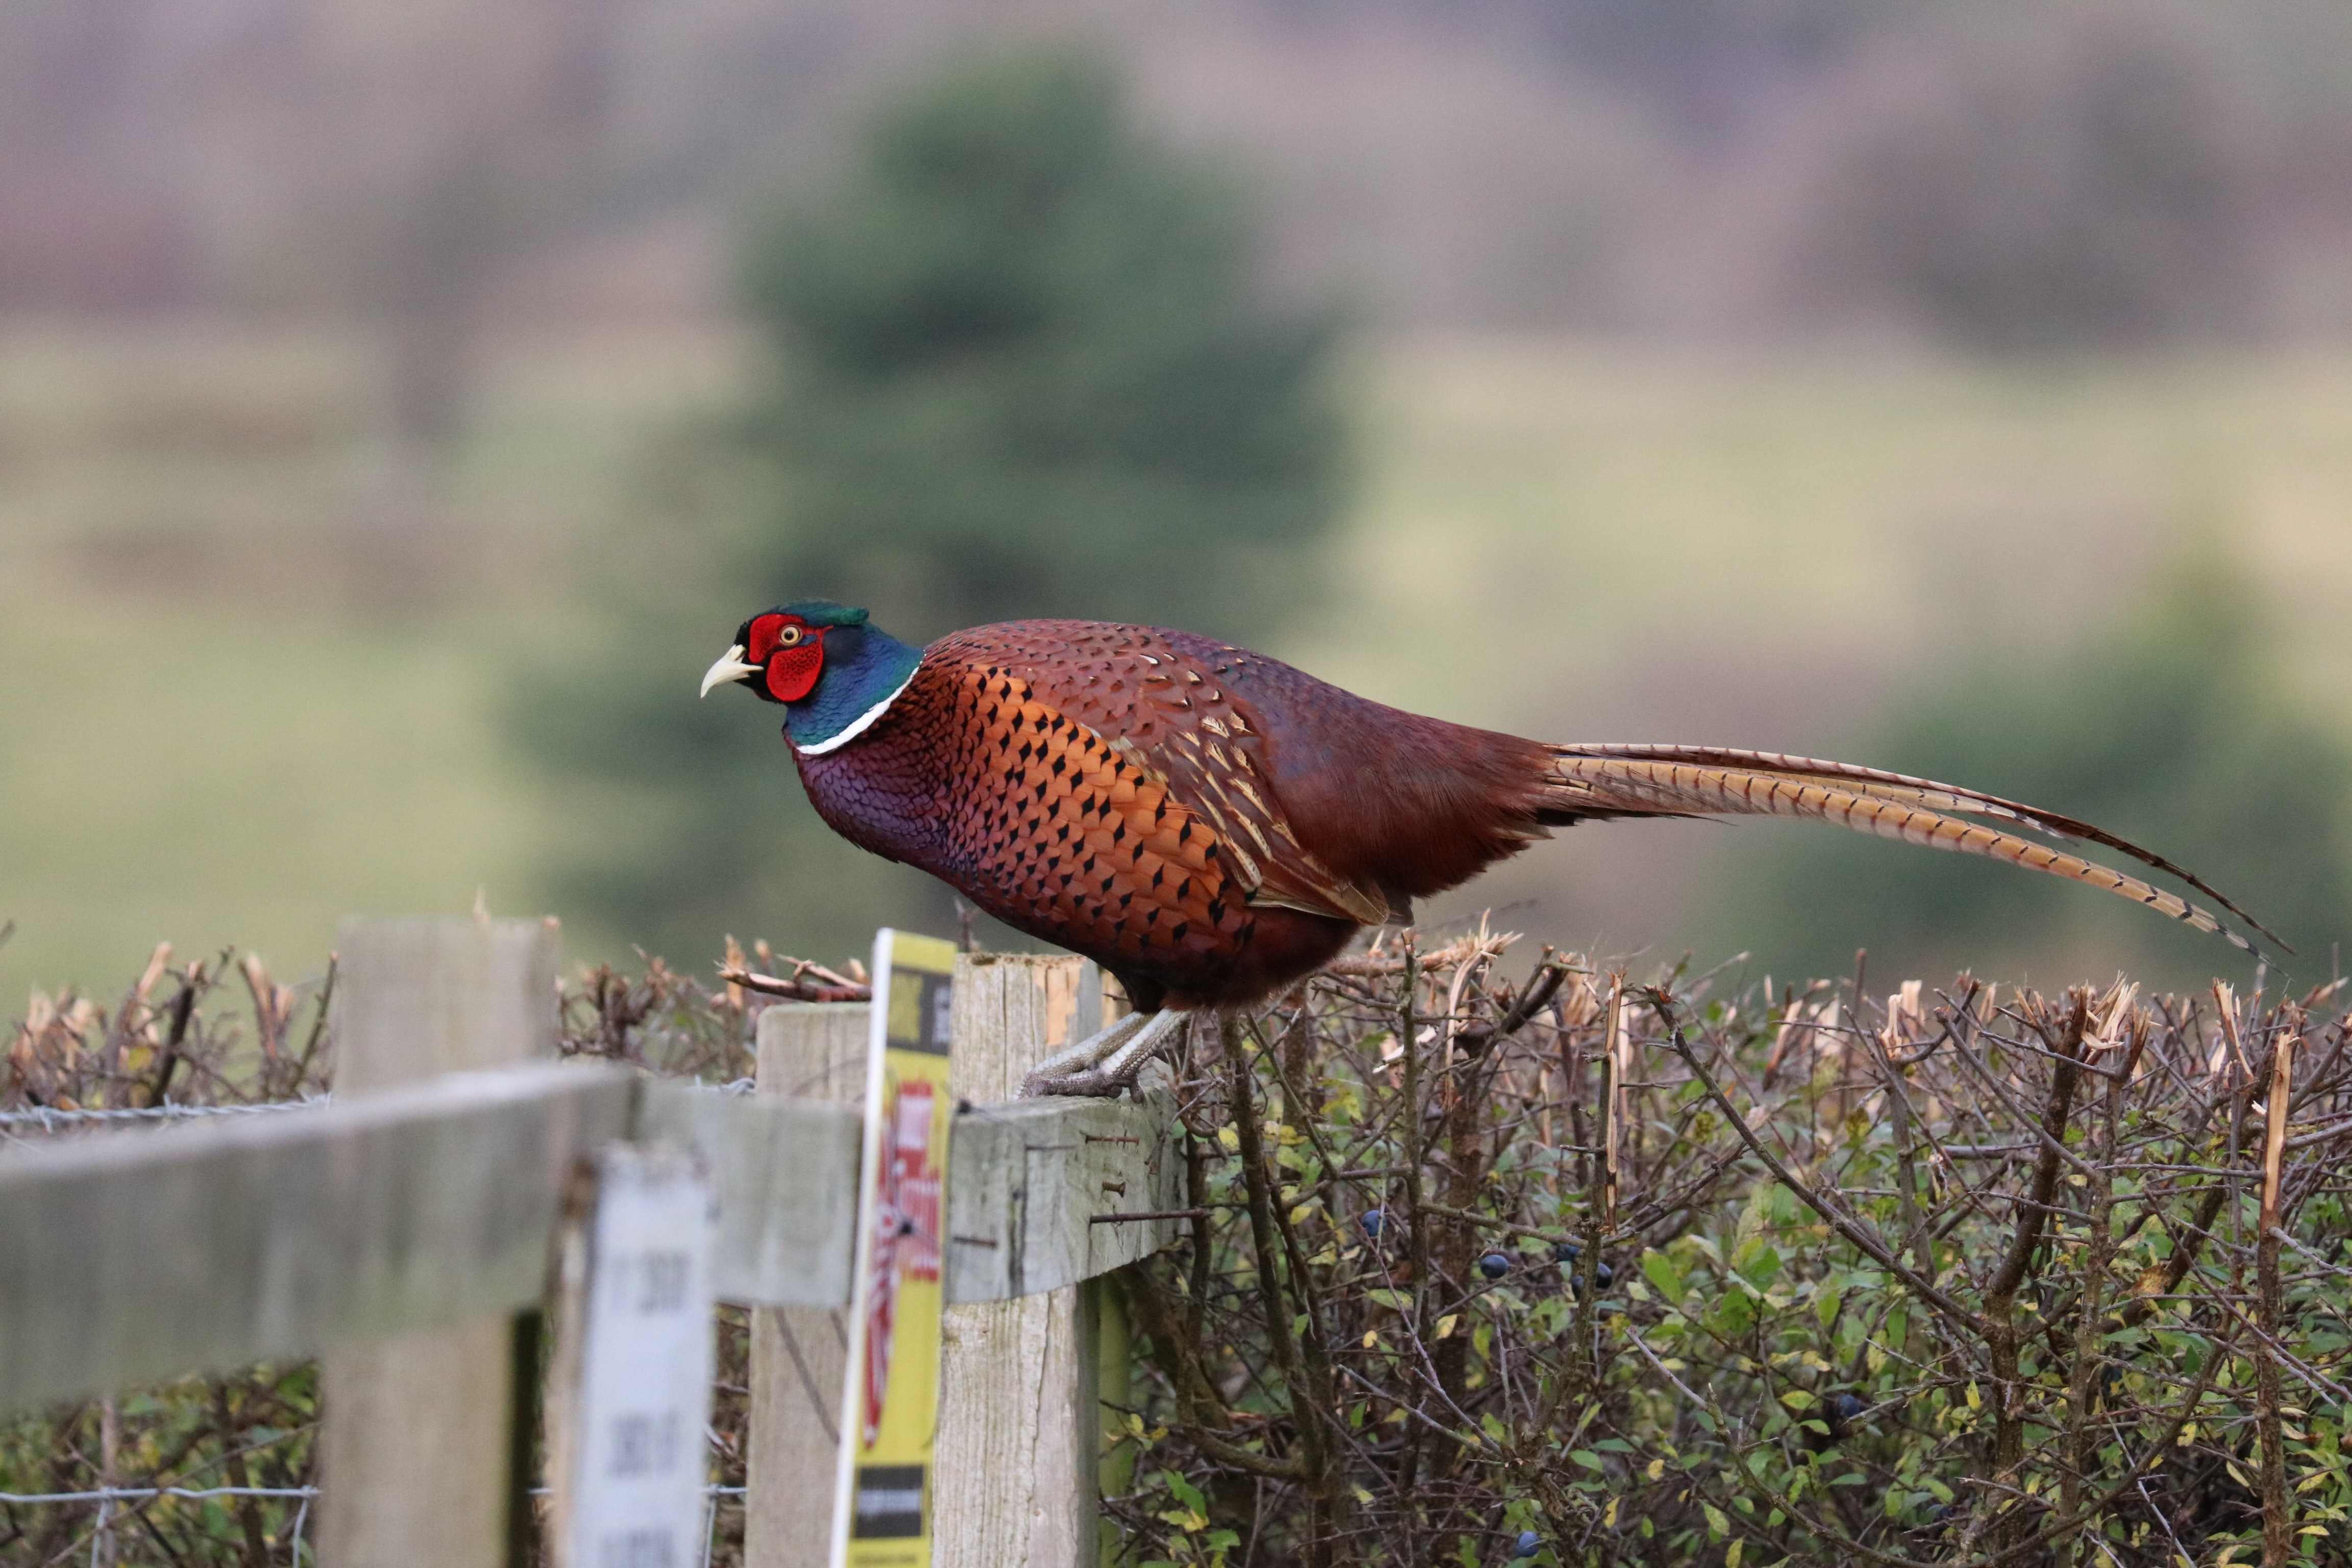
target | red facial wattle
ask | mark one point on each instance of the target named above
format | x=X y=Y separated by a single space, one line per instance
x=789 y=652
x=792 y=671
x=760 y=639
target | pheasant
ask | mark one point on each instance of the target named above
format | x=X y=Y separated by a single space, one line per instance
x=1210 y=825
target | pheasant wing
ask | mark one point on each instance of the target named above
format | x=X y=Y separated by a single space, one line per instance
x=1171 y=713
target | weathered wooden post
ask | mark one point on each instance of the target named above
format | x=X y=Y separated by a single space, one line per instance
x=1019 y=1417
x=817 y=1051
x=1015 y=1470
x=425 y=1437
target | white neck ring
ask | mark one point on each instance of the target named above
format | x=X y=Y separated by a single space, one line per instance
x=856 y=727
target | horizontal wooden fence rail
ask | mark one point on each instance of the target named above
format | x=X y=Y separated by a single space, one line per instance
x=127 y=1257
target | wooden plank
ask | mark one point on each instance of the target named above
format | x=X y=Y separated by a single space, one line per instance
x=1013 y=1473
x=1028 y=1179
x=127 y=1257
x=817 y=1053
x=424 y=1437
x=785 y=1172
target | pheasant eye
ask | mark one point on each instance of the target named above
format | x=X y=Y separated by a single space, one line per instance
x=765 y=634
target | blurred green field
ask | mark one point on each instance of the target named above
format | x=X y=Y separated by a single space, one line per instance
x=212 y=729
x=1581 y=543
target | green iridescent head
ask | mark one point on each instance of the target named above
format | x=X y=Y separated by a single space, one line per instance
x=815 y=612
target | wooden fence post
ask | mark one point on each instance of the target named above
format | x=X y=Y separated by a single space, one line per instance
x=1114 y=1394
x=1020 y=1424
x=816 y=1051
x=1101 y=996
x=425 y=1443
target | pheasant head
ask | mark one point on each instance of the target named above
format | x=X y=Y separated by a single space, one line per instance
x=835 y=672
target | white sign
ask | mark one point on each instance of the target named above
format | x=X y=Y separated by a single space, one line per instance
x=634 y=1493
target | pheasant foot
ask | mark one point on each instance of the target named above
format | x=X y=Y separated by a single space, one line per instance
x=1106 y=1062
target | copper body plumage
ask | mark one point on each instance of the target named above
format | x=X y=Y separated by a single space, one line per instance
x=1210 y=825
x=1110 y=789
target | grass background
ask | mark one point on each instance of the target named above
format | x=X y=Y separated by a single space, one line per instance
x=216 y=726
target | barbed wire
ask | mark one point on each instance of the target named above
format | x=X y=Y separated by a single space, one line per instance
x=148 y=1494
x=51 y=1118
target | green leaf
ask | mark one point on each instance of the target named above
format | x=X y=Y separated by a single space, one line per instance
x=1759 y=1263
x=1185 y=1492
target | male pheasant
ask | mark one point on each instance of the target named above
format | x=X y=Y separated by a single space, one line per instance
x=1210 y=824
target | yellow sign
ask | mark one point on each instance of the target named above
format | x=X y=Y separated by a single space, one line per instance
x=890 y=1405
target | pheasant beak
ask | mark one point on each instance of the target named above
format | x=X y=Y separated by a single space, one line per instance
x=731 y=667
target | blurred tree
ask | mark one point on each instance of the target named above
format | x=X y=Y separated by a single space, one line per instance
x=1020 y=370
x=2168 y=729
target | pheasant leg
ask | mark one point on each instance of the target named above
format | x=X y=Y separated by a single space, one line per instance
x=1104 y=1063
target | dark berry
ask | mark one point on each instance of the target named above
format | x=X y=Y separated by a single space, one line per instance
x=1372 y=1221
x=1566 y=1254
x=1529 y=1544
x=1495 y=1264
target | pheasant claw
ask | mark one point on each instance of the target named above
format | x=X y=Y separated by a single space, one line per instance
x=1104 y=1063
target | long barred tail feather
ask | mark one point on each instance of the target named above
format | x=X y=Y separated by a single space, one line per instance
x=1600 y=781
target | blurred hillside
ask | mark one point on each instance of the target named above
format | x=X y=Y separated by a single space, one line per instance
x=1773 y=372
x=211 y=735
x=2109 y=170
x=2168 y=716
